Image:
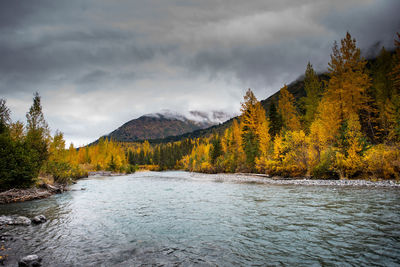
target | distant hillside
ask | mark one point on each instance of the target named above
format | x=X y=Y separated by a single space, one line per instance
x=168 y=127
x=296 y=88
x=165 y=124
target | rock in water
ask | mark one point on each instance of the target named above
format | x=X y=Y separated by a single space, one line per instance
x=30 y=261
x=5 y=220
x=39 y=219
x=20 y=220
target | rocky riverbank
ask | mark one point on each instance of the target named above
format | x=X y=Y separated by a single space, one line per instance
x=276 y=180
x=20 y=195
x=5 y=221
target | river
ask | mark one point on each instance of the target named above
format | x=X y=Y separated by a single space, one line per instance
x=180 y=218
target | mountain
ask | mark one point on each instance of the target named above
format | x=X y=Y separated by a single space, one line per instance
x=219 y=121
x=296 y=88
x=165 y=124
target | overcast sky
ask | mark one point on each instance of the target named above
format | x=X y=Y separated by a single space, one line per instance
x=98 y=64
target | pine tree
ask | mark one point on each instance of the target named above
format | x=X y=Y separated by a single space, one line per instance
x=393 y=107
x=396 y=68
x=216 y=149
x=351 y=144
x=313 y=88
x=253 y=122
x=275 y=120
x=17 y=131
x=112 y=166
x=38 y=134
x=19 y=164
x=4 y=116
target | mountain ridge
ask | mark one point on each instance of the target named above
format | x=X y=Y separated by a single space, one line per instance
x=164 y=124
x=296 y=88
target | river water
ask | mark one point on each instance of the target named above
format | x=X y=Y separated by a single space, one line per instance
x=186 y=219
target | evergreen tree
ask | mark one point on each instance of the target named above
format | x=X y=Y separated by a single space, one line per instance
x=253 y=122
x=381 y=92
x=393 y=106
x=313 y=88
x=38 y=131
x=216 y=149
x=112 y=166
x=275 y=120
x=395 y=74
x=351 y=143
x=18 y=162
x=4 y=116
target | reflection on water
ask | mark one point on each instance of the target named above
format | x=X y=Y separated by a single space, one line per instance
x=179 y=218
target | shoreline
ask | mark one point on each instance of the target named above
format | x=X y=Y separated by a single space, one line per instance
x=21 y=195
x=301 y=181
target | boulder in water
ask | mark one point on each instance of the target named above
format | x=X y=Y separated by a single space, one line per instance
x=11 y=220
x=39 y=219
x=30 y=261
x=22 y=220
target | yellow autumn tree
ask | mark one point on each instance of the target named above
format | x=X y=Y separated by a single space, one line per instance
x=255 y=129
x=232 y=148
x=349 y=79
x=287 y=110
x=71 y=155
x=324 y=129
x=383 y=162
x=349 y=158
x=272 y=164
x=199 y=159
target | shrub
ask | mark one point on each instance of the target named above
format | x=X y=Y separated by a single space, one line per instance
x=383 y=161
x=19 y=164
x=324 y=168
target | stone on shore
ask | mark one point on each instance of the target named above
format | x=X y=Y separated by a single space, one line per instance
x=55 y=189
x=20 y=195
x=30 y=261
x=39 y=219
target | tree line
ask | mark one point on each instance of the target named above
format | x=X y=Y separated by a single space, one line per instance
x=347 y=126
x=28 y=151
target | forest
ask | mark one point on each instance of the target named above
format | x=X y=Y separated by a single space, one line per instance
x=346 y=127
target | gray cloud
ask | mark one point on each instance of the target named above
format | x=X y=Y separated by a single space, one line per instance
x=99 y=63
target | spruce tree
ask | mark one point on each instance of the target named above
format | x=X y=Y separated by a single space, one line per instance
x=216 y=149
x=38 y=132
x=313 y=88
x=275 y=120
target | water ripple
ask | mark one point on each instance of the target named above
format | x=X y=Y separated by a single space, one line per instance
x=187 y=219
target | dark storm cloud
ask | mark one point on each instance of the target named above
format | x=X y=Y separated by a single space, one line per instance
x=93 y=76
x=181 y=55
x=69 y=53
x=266 y=61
